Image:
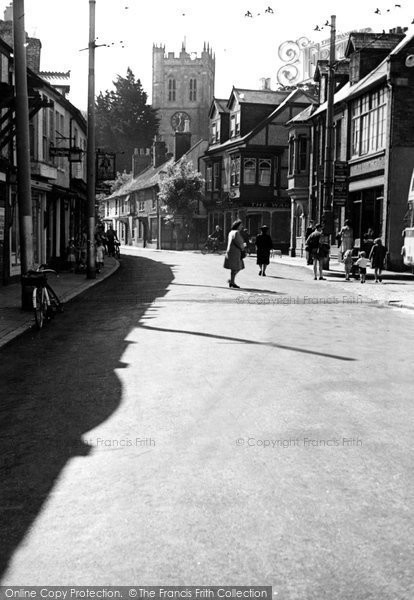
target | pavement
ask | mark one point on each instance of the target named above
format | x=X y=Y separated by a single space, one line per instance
x=168 y=430
x=15 y=321
x=397 y=289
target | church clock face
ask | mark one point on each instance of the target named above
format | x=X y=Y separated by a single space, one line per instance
x=178 y=120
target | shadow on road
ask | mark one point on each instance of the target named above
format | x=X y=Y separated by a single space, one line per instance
x=59 y=383
x=245 y=341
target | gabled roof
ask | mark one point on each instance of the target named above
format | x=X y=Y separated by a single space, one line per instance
x=218 y=104
x=372 y=41
x=303 y=116
x=322 y=68
x=148 y=178
x=289 y=97
x=244 y=96
x=374 y=77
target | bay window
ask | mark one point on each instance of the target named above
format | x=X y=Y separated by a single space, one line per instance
x=249 y=171
x=265 y=170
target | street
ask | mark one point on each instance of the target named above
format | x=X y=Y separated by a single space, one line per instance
x=169 y=430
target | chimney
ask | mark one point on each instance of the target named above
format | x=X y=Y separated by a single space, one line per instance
x=34 y=46
x=182 y=141
x=159 y=151
x=141 y=159
x=265 y=83
x=8 y=12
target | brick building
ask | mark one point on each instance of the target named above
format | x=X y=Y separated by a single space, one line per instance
x=373 y=149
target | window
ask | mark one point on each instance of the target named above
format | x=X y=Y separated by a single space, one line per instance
x=338 y=139
x=232 y=125
x=213 y=133
x=302 y=153
x=291 y=155
x=193 y=90
x=209 y=178
x=235 y=171
x=171 y=90
x=116 y=207
x=265 y=170
x=368 y=123
x=276 y=172
x=235 y=124
x=249 y=171
x=216 y=176
x=141 y=205
x=45 y=145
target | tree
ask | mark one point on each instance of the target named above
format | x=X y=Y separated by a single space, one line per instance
x=124 y=120
x=181 y=192
x=181 y=189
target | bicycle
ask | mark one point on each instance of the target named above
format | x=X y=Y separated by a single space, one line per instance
x=211 y=245
x=117 y=251
x=45 y=301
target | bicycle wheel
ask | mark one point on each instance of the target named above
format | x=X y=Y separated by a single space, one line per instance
x=204 y=249
x=39 y=306
x=55 y=304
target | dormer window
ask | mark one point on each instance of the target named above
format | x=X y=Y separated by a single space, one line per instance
x=235 y=124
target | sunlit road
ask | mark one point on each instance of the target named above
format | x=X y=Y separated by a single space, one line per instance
x=169 y=430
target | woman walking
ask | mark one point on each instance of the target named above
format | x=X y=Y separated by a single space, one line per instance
x=235 y=252
x=264 y=245
x=377 y=259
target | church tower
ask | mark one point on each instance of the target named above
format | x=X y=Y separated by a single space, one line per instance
x=182 y=91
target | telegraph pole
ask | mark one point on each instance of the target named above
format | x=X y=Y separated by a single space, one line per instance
x=328 y=163
x=22 y=142
x=90 y=147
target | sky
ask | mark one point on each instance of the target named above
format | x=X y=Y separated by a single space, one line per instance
x=246 y=48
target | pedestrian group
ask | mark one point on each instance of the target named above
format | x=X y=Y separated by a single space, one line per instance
x=317 y=249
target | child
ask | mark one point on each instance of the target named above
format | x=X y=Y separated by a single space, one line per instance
x=71 y=255
x=100 y=249
x=348 y=263
x=362 y=263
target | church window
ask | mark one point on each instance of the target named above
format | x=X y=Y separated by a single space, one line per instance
x=172 y=90
x=193 y=90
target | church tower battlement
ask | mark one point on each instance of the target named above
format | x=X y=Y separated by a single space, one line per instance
x=182 y=91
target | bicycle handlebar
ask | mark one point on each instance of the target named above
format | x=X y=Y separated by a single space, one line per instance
x=40 y=271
